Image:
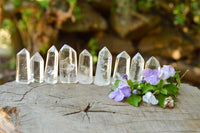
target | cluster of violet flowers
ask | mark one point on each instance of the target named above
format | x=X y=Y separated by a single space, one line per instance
x=151 y=76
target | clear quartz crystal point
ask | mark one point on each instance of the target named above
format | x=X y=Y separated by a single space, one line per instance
x=122 y=64
x=85 y=68
x=23 y=74
x=152 y=63
x=37 y=68
x=51 y=68
x=137 y=66
x=67 y=65
x=103 y=70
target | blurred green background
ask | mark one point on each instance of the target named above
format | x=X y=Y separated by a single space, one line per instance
x=167 y=29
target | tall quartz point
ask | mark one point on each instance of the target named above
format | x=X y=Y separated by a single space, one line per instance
x=122 y=64
x=137 y=66
x=103 y=70
x=37 y=68
x=152 y=63
x=51 y=68
x=67 y=64
x=85 y=68
x=23 y=74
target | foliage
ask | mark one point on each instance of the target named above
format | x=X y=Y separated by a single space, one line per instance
x=162 y=90
x=93 y=45
x=183 y=14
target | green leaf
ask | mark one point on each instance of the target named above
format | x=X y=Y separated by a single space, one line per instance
x=177 y=76
x=16 y=3
x=161 y=84
x=171 y=89
x=43 y=3
x=161 y=100
x=115 y=86
x=156 y=92
x=134 y=100
x=130 y=83
x=44 y=48
x=170 y=80
x=148 y=88
x=117 y=82
x=77 y=12
x=164 y=91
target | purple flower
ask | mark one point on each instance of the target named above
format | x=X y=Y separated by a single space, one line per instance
x=135 y=92
x=121 y=92
x=166 y=72
x=125 y=76
x=151 y=76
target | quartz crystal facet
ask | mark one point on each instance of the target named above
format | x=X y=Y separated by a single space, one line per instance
x=67 y=64
x=51 y=68
x=137 y=66
x=152 y=63
x=23 y=74
x=85 y=68
x=37 y=68
x=103 y=70
x=122 y=64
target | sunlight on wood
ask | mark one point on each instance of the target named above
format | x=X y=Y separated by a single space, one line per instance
x=5 y=125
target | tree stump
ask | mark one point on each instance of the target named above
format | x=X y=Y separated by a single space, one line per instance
x=63 y=108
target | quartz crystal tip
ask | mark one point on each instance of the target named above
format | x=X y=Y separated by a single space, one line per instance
x=37 y=68
x=23 y=74
x=51 y=67
x=152 y=63
x=122 y=64
x=53 y=49
x=137 y=66
x=85 y=68
x=103 y=71
x=67 y=64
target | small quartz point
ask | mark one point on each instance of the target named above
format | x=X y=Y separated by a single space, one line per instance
x=152 y=63
x=137 y=66
x=103 y=70
x=122 y=64
x=85 y=68
x=37 y=68
x=51 y=68
x=67 y=64
x=23 y=73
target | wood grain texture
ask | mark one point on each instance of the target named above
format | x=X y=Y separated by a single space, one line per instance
x=72 y=108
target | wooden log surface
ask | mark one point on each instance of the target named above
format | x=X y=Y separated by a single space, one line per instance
x=64 y=108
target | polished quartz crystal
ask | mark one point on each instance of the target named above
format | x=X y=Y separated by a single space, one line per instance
x=137 y=66
x=85 y=68
x=23 y=74
x=67 y=64
x=152 y=63
x=51 y=68
x=37 y=68
x=103 y=70
x=122 y=64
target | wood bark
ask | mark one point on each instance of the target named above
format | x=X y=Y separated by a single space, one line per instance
x=44 y=108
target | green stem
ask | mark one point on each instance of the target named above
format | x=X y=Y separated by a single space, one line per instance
x=184 y=74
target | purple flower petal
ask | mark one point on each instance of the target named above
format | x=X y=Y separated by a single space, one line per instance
x=151 y=76
x=119 y=96
x=147 y=72
x=122 y=84
x=166 y=72
x=135 y=92
x=153 y=80
x=126 y=91
x=125 y=76
x=113 y=94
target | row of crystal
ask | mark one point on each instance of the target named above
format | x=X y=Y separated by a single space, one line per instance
x=32 y=70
